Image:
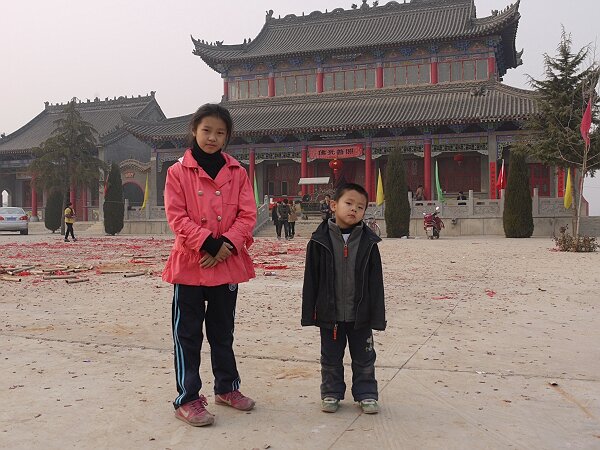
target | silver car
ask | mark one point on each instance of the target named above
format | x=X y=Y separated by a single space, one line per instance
x=14 y=219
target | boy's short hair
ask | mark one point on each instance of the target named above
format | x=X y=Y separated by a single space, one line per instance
x=343 y=188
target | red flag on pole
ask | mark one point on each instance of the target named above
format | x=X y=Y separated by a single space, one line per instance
x=501 y=183
x=586 y=123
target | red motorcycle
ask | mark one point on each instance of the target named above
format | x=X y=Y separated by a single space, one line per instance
x=432 y=224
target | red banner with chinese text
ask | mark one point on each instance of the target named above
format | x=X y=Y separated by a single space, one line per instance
x=493 y=180
x=336 y=152
x=561 y=183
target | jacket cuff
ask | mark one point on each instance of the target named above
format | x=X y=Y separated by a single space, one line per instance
x=212 y=245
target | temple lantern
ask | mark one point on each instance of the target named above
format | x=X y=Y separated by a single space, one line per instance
x=458 y=158
x=336 y=165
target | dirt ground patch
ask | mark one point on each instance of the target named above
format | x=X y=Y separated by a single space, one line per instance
x=478 y=330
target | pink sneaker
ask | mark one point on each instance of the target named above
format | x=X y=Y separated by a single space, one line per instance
x=194 y=413
x=236 y=400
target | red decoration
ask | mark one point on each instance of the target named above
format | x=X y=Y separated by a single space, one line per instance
x=336 y=165
x=458 y=158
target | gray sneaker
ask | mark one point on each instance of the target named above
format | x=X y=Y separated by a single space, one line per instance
x=330 y=404
x=369 y=406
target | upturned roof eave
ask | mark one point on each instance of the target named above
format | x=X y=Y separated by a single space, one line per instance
x=378 y=126
x=230 y=54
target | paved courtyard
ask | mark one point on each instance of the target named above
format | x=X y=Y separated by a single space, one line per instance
x=491 y=343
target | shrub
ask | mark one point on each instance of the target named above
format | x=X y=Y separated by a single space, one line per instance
x=518 y=216
x=114 y=206
x=567 y=243
x=53 y=212
x=397 y=207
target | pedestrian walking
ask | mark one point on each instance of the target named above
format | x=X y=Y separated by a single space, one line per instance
x=69 y=221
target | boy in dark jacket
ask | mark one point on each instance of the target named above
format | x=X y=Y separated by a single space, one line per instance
x=343 y=296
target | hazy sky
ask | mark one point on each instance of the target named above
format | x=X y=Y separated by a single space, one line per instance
x=53 y=50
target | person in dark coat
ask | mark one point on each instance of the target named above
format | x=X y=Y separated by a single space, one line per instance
x=343 y=296
x=276 y=221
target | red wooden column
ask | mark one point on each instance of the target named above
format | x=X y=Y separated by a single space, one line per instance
x=311 y=173
x=304 y=168
x=252 y=166
x=225 y=89
x=434 y=72
x=379 y=77
x=427 y=168
x=34 y=210
x=319 y=80
x=493 y=193
x=84 y=197
x=271 y=85
x=491 y=67
x=561 y=182
x=369 y=171
x=72 y=195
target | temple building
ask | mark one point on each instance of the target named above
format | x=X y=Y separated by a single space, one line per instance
x=331 y=94
x=115 y=144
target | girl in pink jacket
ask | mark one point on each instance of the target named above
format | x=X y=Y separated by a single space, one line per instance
x=210 y=207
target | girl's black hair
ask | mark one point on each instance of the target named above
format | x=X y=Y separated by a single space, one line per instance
x=341 y=190
x=210 y=110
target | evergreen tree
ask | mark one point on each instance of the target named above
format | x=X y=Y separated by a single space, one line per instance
x=564 y=93
x=114 y=205
x=53 y=212
x=68 y=158
x=518 y=216
x=397 y=207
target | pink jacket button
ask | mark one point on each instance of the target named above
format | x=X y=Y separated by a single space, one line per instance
x=203 y=220
x=217 y=193
x=200 y=193
x=219 y=218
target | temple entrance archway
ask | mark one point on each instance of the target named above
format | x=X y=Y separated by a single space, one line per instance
x=133 y=193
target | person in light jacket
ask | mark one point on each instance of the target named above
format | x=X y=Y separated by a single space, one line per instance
x=210 y=207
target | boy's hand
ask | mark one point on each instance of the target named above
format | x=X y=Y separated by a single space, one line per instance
x=208 y=261
x=224 y=252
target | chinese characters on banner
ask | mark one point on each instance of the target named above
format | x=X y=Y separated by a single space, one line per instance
x=337 y=152
x=493 y=195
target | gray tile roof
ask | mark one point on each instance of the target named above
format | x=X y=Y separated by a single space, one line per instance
x=106 y=116
x=393 y=24
x=430 y=105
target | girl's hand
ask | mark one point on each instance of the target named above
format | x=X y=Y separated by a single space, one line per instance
x=208 y=261
x=224 y=252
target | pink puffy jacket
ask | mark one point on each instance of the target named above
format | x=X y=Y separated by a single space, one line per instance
x=198 y=206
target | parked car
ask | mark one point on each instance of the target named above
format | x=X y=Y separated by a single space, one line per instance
x=14 y=219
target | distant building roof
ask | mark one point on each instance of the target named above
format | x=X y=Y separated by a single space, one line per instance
x=106 y=116
x=367 y=27
x=427 y=105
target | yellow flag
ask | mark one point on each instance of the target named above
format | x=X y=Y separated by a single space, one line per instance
x=380 y=197
x=146 y=193
x=568 y=199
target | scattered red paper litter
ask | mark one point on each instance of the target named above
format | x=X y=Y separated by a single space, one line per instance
x=276 y=267
x=490 y=293
x=442 y=297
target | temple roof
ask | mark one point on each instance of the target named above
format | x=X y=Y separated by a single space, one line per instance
x=366 y=27
x=403 y=107
x=106 y=116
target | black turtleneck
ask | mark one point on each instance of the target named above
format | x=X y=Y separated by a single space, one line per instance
x=212 y=163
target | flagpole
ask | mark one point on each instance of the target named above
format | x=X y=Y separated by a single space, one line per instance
x=586 y=151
